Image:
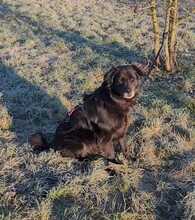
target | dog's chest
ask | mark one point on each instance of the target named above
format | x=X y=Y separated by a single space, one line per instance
x=120 y=127
x=116 y=122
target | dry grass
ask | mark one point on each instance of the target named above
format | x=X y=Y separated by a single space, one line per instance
x=51 y=52
x=5 y=119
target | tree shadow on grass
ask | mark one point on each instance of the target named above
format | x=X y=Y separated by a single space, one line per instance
x=166 y=89
x=30 y=107
x=69 y=208
x=75 y=39
x=169 y=198
x=78 y=207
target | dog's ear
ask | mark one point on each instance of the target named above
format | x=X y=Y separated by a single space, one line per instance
x=109 y=76
x=141 y=69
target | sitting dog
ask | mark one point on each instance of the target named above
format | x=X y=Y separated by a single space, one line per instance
x=98 y=125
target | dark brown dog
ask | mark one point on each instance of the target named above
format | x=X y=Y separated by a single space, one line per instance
x=101 y=122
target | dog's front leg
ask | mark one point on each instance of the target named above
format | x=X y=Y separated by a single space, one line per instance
x=123 y=145
x=108 y=152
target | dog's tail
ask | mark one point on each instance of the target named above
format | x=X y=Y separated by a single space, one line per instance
x=39 y=142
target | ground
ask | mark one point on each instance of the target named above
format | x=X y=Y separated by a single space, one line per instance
x=51 y=52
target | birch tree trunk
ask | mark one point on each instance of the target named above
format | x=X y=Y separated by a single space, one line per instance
x=173 y=33
x=170 y=31
x=167 y=40
x=156 y=28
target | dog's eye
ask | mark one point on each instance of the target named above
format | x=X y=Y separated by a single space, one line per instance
x=122 y=80
x=131 y=79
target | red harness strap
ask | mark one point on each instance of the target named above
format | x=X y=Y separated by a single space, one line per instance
x=73 y=109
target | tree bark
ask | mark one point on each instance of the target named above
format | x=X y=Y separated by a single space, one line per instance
x=170 y=33
x=167 y=40
x=156 y=28
x=173 y=33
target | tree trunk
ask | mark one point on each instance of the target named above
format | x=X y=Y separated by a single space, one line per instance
x=169 y=35
x=173 y=33
x=167 y=40
x=156 y=28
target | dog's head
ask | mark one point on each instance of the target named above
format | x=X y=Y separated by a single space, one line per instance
x=124 y=81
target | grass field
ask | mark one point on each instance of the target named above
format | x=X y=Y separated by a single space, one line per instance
x=51 y=52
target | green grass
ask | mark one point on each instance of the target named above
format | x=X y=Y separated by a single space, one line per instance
x=51 y=52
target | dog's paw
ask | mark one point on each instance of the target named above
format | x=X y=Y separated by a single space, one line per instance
x=115 y=161
x=111 y=171
x=37 y=142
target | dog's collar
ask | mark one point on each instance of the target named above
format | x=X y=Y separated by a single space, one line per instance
x=114 y=96
x=79 y=106
x=73 y=110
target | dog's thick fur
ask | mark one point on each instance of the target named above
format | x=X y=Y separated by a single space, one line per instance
x=101 y=122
